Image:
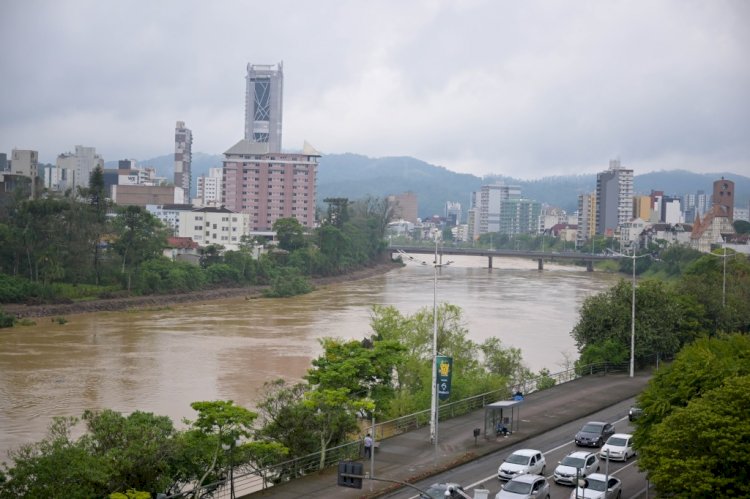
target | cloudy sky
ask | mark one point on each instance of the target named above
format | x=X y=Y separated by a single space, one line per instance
x=520 y=88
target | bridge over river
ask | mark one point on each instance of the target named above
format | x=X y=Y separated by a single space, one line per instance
x=539 y=256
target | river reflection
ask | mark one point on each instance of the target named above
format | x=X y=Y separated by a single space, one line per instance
x=161 y=361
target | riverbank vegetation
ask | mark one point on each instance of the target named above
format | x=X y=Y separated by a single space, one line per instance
x=79 y=247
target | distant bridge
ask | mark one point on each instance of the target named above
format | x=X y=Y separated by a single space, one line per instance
x=539 y=256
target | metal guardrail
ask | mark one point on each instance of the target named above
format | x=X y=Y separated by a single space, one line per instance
x=248 y=478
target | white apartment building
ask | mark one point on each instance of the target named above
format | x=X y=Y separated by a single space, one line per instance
x=488 y=201
x=208 y=191
x=214 y=226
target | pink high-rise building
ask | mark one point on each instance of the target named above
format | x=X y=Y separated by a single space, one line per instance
x=270 y=185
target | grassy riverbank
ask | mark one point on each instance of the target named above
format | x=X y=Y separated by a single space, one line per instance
x=20 y=311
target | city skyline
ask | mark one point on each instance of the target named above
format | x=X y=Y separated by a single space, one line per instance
x=524 y=90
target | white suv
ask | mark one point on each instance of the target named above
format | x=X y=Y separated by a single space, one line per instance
x=521 y=462
x=577 y=464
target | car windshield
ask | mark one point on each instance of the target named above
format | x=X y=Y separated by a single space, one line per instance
x=517 y=459
x=575 y=462
x=517 y=487
x=597 y=485
x=592 y=428
x=617 y=441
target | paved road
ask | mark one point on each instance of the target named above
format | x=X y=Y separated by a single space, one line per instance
x=410 y=456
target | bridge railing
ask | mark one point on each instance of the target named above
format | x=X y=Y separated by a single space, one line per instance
x=248 y=478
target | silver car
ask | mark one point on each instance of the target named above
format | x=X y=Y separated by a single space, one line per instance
x=598 y=486
x=521 y=462
x=525 y=487
x=574 y=466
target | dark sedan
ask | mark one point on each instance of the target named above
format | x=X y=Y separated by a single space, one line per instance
x=594 y=434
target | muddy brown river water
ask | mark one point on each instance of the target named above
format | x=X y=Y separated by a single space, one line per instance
x=162 y=360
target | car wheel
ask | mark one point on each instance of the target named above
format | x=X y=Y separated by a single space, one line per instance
x=544 y=469
x=619 y=494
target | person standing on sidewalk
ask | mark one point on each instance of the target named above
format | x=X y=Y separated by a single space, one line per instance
x=368 y=446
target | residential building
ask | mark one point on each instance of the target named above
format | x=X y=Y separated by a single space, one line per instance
x=742 y=213
x=614 y=198
x=25 y=163
x=264 y=97
x=3 y=162
x=472 y=224
x=671 y=212
x=169 y=214
x=519 y=216
x=723 y=198
x=183 y=158
x=630 y=233
x=586 y=218
x=78 y=166
x=488 y=202
x=210 y=225
x=270 y=185
x=404 y=206
x=208 y=189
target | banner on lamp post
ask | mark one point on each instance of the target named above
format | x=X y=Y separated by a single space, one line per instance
x=444 y=366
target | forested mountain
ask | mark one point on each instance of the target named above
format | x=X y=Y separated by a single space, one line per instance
x=355 y=176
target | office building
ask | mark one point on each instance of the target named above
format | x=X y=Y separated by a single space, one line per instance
x=183 y=158
x=453 y=213
x=270 y=185
x=614 y=198
x=264 y=98
x=25 y=163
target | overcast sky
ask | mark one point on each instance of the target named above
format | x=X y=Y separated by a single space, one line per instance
x=520 y=88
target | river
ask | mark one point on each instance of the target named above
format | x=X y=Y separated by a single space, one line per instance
x=162 y=360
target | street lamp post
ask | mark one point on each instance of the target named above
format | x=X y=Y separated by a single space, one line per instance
x=633 y=257
x=434 y=405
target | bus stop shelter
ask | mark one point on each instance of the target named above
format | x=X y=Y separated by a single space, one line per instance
x=507 y=412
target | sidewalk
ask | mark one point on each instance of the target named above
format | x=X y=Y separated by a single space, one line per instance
x=410 y=456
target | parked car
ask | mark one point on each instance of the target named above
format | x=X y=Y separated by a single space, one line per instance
x=525 y=487
x=438 y=491
x=598 y=486
x=521 y=462
x=594 y=434
x=619 y=447
x=634 y=413
x=579 y=464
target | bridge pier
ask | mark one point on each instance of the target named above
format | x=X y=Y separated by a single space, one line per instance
x=489 y=261
x=590 y=266
x=540 y=264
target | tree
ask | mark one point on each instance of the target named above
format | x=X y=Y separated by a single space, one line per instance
x=140 y=236
x=54 y=467
x=723 y=293
x=219 y=423
x=506 y=362
x=290 y=233
x=365 y=368
x=701 y=450
x=138 y=448
x=334 y=416
x=285 y=419
x=664 y=320
x=338 y=211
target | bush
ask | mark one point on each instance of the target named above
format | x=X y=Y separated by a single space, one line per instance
x=287 y=282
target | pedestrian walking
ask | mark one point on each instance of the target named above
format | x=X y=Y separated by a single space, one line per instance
x=368 y=446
